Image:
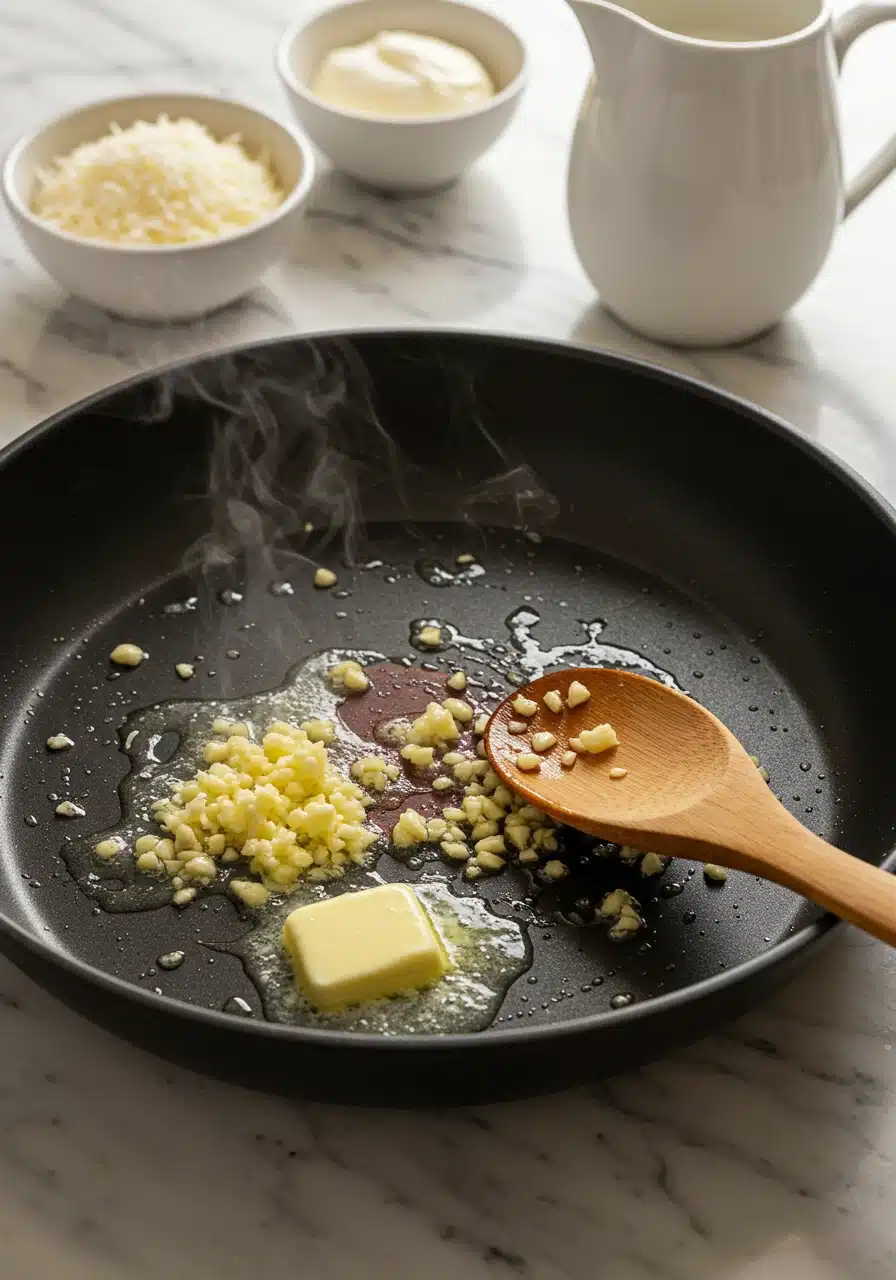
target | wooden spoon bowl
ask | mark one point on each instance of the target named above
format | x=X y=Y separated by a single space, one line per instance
x=690 y=790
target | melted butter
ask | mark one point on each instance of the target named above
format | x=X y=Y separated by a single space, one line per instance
x=488 y=952
x=527 y=659
x=490 y=948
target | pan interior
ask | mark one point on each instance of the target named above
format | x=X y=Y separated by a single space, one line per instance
x=712 y=587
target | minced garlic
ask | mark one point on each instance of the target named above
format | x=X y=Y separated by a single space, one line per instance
x=108 y=848
x=348 y=676
x=460 y=710
x=279 y=804
x=249 y=892
x=524 y=706
x=319 y=730
x=652 y=864
x=577 y=694
x=624 y=910
x=410 y=829
x=429 y=637
x=601 y=738
x=419 y=757
x=436 y=727
x=374 y=773
x=528 y=762
x=127 y=655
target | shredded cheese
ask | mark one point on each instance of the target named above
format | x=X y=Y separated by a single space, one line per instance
x=165 y=182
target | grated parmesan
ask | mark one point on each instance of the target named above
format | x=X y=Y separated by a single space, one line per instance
x=166 y=182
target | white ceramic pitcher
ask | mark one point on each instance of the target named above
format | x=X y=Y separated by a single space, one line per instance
x=705 y=180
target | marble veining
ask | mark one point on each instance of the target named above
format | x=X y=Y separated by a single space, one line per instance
x=761 y=1153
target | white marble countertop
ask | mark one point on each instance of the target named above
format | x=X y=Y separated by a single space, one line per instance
x=762 y=1153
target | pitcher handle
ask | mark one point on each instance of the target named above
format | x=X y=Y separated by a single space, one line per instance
x=847 y=29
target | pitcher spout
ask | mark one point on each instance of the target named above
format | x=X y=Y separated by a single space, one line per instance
x=609 y=29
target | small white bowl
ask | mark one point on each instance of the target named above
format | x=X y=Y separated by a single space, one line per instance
x=409 y=154
x=162 y=282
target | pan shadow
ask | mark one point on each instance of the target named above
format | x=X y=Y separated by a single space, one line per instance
x=757 y=1147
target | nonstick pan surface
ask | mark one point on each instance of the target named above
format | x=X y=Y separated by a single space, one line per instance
x=693 y=532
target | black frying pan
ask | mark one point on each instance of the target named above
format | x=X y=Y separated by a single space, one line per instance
x=702 y=534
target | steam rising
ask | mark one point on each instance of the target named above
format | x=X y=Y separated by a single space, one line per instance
x=300 y=438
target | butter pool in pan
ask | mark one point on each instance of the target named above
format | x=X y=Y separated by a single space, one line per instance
x=669 y=572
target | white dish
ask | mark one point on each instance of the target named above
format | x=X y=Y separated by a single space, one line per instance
x=401 y=153
x=162 y=282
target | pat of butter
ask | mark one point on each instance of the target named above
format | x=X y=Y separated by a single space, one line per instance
x=363 y=946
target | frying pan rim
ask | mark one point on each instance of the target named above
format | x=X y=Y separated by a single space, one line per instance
x=654 y=1006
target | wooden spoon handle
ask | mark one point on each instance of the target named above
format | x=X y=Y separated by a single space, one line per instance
x=856 y=891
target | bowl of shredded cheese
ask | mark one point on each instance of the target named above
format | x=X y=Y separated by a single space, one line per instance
x=159 y=206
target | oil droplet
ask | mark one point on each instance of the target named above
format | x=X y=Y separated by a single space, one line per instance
x=281 y=589
x=31 y=821
x=622 y=1001
x=171 y=960
x=182 y=606
x=237 y=1005
x=689 y=917
x=229 y=597
x=233 y=653
x=805 y=766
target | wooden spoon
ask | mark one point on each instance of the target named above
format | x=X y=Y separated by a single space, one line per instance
x=690 y=790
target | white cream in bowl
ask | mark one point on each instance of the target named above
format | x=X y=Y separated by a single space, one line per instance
x=402 y=73
x=400 y=95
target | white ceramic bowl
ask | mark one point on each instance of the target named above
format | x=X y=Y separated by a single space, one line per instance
x=398 y=153
x=164 y=282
